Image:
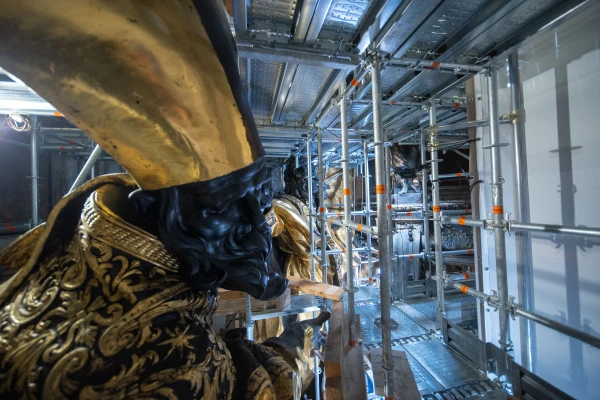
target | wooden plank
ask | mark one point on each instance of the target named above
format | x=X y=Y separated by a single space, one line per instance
x=405 y=386
x=333 y=348
x=231 y=295
x=233 y=302
x=317 y=288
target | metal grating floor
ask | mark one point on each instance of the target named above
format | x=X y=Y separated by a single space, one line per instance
x=364 y=293
x=444 y=364
x=439 y=371
x=370 y=310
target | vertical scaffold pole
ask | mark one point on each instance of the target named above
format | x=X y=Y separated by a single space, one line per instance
x=383 y=229
x=311 y=234
x=498 y=207
x=35 y=154
x=425 y=204
x=367 y=194
x=347 y=216
x=435 y=197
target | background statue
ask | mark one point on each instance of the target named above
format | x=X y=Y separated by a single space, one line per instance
x=404 y=160
x=115 y=293
x=293 y=238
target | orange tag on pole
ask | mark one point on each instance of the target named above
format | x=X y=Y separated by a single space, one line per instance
x=355 y=83
x=346 y=192
x=411 y=256
x=464 y=288
x=437 y=208
x=435 y=64
x=331 y=220
x=466 y=276
x=389 y=207
x=380 y=189
x=498 y=210
x=339 y=214
x=57 y=114
x=469 y=251
x=456 y=105
x=459 y=174
x=343 y=250
x=359 y=227
x=409 y=214
x=321 y=209
x=461 y=220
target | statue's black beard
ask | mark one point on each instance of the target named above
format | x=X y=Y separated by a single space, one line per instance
x=235 y=259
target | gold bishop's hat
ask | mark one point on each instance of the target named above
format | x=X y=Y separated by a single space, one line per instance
x=153 y=82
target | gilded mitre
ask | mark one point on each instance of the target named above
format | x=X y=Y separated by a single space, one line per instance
x=153 y=82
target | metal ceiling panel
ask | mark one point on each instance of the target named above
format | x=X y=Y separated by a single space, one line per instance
x=264 y=78
x=391 y=76
x=409 y=120
x=447 y=19
x=331 y=118
x=426 y=84
x=491 y=26
x=410 y=20
x=271 y=14
x=509 y=26
x=389 y=111
x=343 y=18
x=307 y=84
x=244 y=69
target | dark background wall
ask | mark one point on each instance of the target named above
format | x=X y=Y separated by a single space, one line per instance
x=57 y=172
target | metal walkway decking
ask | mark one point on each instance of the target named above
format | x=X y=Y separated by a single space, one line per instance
x=440 y=372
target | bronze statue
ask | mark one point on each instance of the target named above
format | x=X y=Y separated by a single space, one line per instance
x=114 y=295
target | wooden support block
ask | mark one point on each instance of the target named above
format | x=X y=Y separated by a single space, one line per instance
x=354 y=381
x=333 y=389
x=405 y=386
x=319 y=289
x=234 y=302
x=333 y=348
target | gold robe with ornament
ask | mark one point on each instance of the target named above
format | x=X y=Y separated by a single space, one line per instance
x=99 y=311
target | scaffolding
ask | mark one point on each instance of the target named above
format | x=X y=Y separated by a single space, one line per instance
x=370 y=145
x=498 y=223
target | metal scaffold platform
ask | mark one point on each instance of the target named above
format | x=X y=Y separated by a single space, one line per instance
x=440 y=372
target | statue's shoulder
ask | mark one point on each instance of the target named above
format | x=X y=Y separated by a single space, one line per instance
x=20 y=257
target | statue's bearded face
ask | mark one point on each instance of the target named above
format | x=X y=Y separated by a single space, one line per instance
x=218 y=230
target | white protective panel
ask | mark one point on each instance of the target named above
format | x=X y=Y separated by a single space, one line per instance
x=560 y=71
